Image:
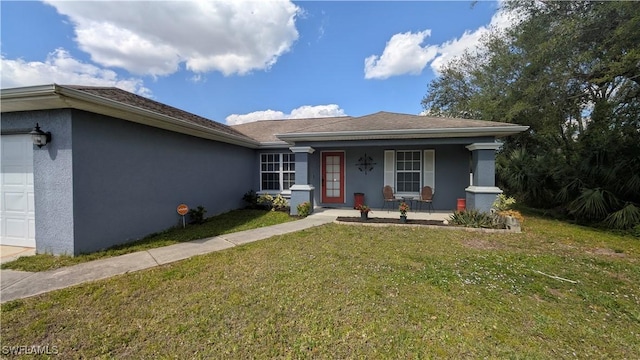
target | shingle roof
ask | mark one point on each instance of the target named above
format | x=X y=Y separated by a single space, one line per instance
x=383 y=120
x=128 y=98
x=266 y=130
x=378 y=126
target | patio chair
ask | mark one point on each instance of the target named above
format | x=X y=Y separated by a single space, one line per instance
x=426 y=196
x=389 y=197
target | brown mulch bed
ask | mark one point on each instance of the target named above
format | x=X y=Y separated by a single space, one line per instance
x=374 y=220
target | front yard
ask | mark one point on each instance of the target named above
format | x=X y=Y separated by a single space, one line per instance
x=229 y=222
x=348 y=292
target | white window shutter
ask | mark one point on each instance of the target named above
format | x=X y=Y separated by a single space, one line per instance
x=429 y=170
x=389 y=168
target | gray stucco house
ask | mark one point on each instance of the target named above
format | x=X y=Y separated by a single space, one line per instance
x=118 y=164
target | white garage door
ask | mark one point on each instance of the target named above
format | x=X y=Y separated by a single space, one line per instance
x=17 y=214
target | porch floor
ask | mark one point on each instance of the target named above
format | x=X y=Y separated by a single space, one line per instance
x=379 y=213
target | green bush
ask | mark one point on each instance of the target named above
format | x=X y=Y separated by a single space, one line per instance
x=265 y=200
x=197 y=215
x=251 y=198
x=278 y=203
x=503 y=203
x=304 y=209
x=472 y=218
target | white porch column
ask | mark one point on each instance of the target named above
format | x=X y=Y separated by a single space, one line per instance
x=483 y=191
x=301 y=191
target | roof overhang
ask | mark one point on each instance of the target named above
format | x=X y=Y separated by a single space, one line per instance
x=274 y=144
x=48 y=97
x=496 y=131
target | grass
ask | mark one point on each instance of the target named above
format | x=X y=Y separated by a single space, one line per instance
x=229 y=222
x=339 y=291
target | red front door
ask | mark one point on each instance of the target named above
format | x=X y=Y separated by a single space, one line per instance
x=333 y=177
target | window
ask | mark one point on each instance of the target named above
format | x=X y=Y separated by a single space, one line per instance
x=407 y=171
x=288 y=171
x=277 y=171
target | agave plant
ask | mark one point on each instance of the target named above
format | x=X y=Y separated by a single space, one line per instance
x=472 y=218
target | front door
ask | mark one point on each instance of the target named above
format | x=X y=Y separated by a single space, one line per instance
x=333 y=177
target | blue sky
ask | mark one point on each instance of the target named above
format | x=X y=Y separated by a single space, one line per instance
x=241 y=61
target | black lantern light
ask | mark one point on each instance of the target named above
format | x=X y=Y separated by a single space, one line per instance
x=39 y=137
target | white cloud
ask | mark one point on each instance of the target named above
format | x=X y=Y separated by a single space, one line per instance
x=303 y=112
x=61 y=68
x=235 y=119
x=470 y=40
x=157 y=37
x=402 y=55
x=318 y=111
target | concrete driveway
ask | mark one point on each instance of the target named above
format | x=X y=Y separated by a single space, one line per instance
x=10 y=253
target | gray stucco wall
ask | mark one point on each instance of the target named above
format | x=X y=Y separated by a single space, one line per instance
x=52 y=176
x=484 y=163
x=480 y=201
x=104 y=181
x=452 y=176
x=129 y=178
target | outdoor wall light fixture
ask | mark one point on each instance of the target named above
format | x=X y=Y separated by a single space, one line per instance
x=39 y=137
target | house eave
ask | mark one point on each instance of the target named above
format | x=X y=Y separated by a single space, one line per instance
x=48 y=97
x=274 y=145
x=497 y=131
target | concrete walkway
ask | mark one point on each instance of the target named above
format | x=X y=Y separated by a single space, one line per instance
x=21 y=284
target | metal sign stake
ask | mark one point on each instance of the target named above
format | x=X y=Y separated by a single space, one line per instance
x=183 y=210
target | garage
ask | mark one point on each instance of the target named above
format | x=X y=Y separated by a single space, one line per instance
x=17 y=211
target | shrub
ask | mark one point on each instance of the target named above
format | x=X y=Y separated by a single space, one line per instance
x=472 y=218
x=278 y=203
x=304 y=209
x=626 y=218
x=501 y=211
x=251 y=198
x=197 y=215
x=266 y=200
x=503 y=203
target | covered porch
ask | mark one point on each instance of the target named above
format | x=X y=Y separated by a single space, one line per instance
x=349 y=174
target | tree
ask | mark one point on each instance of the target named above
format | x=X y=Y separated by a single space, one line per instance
x=570 y=71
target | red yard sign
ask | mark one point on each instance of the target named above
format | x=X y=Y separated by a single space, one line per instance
x=183 y=209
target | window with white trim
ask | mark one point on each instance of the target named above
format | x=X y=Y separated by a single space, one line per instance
x=407 y=171
x=277 y=171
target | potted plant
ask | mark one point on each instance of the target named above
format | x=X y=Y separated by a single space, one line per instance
x=404 y=207
x=364 y=211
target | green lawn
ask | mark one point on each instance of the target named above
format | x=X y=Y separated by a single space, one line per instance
x=229 y=222
x=339 y=291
